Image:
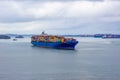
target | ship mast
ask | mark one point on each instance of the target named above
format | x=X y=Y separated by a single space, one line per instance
x=43 y=33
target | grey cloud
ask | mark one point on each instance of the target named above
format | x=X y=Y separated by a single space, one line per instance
x=20 y=12
x=68 y=17
x=54 y=0
x=57 y=0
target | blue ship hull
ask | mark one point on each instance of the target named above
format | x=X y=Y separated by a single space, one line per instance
x=57 y=45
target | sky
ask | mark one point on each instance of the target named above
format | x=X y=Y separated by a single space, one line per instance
x=60 y=16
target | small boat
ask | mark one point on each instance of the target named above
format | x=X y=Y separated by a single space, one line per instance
x=15 y=39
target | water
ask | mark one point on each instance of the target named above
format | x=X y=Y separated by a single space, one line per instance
x=93 y=59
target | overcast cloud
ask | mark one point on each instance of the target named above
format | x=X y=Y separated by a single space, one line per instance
x=60 y=16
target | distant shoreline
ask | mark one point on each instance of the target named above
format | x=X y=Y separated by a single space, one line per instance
x=104 y=36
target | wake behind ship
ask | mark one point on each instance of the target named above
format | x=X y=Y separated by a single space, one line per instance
x=52 y=41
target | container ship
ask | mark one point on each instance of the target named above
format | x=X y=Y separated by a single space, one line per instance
x=53 y=41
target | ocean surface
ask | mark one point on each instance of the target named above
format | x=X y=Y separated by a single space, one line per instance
x=93 y=59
